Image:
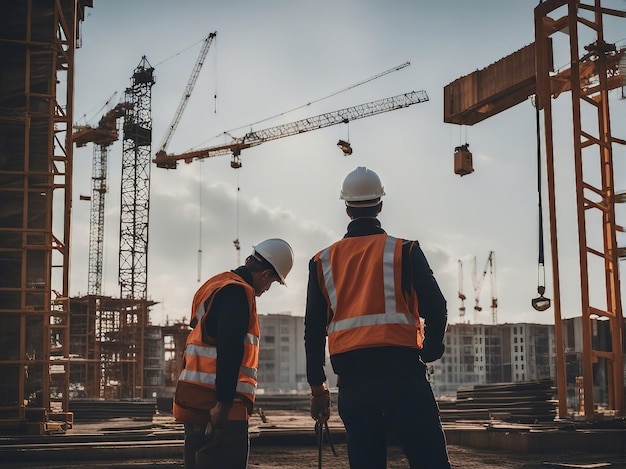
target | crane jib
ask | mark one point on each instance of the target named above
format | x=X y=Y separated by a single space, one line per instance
x=305 y=125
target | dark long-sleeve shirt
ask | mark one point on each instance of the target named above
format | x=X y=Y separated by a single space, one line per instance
x=431 y=303
x=227 y=323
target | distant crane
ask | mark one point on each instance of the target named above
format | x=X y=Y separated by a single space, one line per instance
x=462 y=296
x=253 y=138
x=103 y=137
x=478 y=283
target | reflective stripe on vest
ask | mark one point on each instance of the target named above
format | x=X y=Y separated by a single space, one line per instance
x=362 y=260
x=211 y=352
x=208 y=379
x=199 y=312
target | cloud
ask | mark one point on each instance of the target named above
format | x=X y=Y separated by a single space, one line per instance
x=175 y=244
x=262 y=65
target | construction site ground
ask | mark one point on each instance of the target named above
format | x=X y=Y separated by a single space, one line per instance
x=287 y=440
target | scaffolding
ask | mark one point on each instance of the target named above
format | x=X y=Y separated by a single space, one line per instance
x=112 y=348
x=39 y=40
x=174 y=339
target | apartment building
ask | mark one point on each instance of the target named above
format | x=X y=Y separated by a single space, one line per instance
x=475 y=354
x=282 y=362
x=483 y=353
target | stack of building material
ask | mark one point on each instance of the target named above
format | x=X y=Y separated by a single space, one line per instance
x=527 y=402
x=100 y=409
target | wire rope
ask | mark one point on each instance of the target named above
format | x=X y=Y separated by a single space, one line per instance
x=541 y=274
x=362 y=82
x=200 y=223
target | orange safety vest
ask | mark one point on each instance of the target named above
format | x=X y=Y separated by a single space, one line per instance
x=361 y=280
x=195 y=389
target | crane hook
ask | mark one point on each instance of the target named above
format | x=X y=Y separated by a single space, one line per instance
x=541 y=303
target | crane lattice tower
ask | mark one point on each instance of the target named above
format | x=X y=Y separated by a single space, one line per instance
x=135 y=184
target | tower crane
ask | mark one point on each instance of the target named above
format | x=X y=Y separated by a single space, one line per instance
x=253 y=138
x=188 y=89
x=103 y=136
x=135 y=181
x=478 y=284
x=462 y=296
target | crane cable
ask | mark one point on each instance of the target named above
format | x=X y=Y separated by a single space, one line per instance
x=362 y=82
x=215 y=80
x=236 y=240
x=200 y=226
x=540 y=303
x=248 y=126
x=178 y=53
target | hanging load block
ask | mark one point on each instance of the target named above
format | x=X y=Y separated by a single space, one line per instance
x=463 y=160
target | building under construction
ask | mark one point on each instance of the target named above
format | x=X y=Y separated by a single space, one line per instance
x=39 y=41
x=53 y=346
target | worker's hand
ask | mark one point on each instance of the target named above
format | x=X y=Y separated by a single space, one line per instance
x=213 y=430
x=432 y=351
x=320 y=404
x=219 y=414
x=212 y=437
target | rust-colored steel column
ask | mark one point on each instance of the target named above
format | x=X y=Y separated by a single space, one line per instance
x=589 y=79
x=544 y=101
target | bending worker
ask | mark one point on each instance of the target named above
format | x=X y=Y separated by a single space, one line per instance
x=216 y=388
x=369 y=293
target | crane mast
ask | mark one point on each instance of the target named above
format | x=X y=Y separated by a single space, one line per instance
x=135 y=184
x=188 y=90
x=253 y=138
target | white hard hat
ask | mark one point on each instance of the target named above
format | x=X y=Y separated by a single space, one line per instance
x=278 y=253
x=362 y=188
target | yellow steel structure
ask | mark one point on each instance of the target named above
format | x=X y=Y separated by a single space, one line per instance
x=594 y=71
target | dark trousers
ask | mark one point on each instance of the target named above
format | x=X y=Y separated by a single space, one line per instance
x=399 y=406
x=229 y=449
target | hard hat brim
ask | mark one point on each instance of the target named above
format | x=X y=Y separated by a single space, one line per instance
x=363 y=203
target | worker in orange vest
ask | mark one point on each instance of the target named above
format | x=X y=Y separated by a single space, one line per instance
x=216 y=387
x=372 y=294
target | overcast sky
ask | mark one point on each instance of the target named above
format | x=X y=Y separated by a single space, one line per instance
x=272 y=56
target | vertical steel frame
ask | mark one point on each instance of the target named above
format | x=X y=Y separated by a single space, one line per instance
x=39 y=39
x=595 y=197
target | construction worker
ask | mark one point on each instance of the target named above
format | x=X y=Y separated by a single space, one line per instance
x=371 y=294
x=216 y=387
